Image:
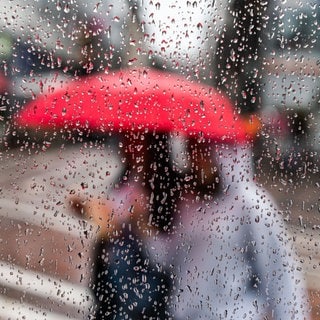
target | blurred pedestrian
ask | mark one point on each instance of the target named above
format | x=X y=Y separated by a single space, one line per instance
x=232 y=256
x=126 y=282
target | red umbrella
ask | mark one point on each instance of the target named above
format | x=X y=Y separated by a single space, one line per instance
x=137 y=99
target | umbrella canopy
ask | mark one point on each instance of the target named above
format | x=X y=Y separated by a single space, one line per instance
x=136 y=99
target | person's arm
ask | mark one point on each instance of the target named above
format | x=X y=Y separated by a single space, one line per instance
x=127 y=205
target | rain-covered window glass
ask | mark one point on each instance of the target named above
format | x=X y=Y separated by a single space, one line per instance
x=159 y=159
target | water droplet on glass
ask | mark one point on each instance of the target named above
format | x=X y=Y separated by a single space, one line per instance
x=58 y=6
x=233 y=55
x=66 y=8
x=96 y=7
x=132 y=61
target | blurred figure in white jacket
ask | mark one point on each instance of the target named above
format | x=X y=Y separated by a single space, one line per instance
x=230 y=256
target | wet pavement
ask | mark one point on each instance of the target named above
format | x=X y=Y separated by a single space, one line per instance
x=45 y=251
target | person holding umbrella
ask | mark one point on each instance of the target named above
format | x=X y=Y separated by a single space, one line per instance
x=227 y=254
x=126 y=283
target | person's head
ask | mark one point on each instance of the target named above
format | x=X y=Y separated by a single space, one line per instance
x=149 y=162
x=201 y=171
